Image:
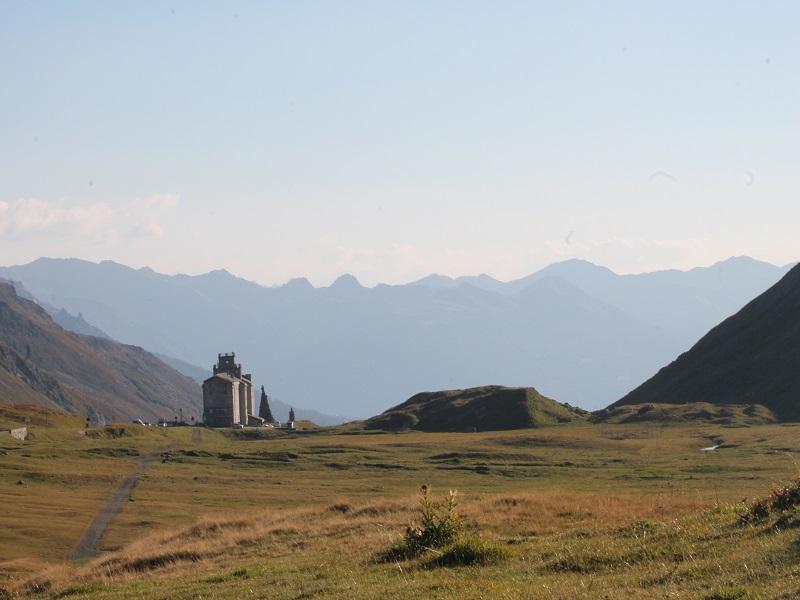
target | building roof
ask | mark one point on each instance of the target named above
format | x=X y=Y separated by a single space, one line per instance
x=223 y=376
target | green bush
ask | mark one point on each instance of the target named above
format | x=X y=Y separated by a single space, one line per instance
x=437 y=530
x=438 y=526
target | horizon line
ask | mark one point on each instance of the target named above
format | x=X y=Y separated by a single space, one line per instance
x=417 y=281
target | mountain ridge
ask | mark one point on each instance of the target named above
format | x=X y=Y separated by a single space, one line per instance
x=350 y=349
x=81 y=373
x=750 y=358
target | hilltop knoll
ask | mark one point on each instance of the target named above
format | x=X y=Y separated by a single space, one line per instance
x=487 y=408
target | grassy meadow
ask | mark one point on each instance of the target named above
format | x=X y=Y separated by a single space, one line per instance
x=568 y=511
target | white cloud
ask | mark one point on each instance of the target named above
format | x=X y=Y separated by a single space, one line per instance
x=4 y=207
x=161 y=201
x=31 y=217
x=143 y=217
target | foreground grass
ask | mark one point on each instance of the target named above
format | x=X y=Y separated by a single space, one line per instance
x=581 y=511
x=554 y=546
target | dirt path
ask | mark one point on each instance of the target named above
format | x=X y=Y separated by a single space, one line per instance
x=89 y=545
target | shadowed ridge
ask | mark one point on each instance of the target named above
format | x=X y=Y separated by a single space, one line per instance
x=752 y=357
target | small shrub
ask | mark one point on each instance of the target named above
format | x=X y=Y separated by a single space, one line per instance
x=471 y=551
x=438 y=526
x=439 y=523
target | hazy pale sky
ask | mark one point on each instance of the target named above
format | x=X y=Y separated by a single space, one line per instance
x=396 y=139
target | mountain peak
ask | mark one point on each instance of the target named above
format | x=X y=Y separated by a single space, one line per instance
x=298 y=283
x=434 y=280
x=740 y=261
x=577 y=264
x=346 y=282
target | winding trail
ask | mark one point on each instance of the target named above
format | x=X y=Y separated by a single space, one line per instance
x=89 y=545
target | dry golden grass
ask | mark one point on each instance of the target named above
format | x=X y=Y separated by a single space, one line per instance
x=359 y=529
x=585 y=511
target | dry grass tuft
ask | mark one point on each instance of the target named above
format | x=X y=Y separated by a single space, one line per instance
x=781 y=503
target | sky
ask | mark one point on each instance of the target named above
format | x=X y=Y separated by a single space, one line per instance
x=392 y=140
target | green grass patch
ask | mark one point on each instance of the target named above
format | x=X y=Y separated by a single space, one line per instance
x=471 y=551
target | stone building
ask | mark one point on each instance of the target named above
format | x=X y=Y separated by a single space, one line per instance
x=228 y=395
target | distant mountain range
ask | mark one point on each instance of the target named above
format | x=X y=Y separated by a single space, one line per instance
x=578 y=332
x=42 y=363
x=750 y=358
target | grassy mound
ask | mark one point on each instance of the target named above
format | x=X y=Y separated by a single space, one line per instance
x=731 y=414
x=489 y=408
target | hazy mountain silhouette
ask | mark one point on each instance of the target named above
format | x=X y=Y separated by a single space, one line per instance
x=73 y=323
x=752 y=357
x=692 y=301
x=42 y=363
x=578 y=332
x=65 y=319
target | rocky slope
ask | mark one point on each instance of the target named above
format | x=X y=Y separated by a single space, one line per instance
x=42 y=363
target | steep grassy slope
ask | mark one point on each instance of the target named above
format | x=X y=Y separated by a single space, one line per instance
x=42 y=363
x=751 y=358
x=489 y=408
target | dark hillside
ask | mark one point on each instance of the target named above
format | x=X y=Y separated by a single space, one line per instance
x=752 y=357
